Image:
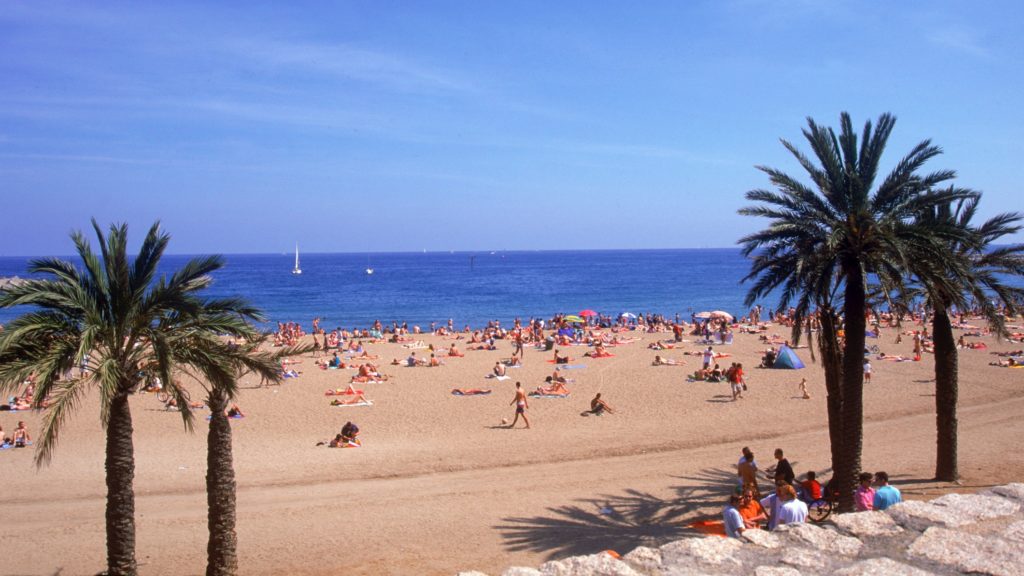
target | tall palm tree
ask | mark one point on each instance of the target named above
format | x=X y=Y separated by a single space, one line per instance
x=976 y=272
x=825 y=240
x=114 y=314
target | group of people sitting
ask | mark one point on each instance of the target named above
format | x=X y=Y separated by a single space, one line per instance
x=19 y=439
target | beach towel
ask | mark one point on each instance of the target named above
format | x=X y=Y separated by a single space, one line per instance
x=498 y=377
x=342 y=392
x=235 y=417
x=539 y=395
x=571 y=366
x=709 y=527
x=367 y=403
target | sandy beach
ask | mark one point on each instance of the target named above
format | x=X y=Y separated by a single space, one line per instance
x=440 y=486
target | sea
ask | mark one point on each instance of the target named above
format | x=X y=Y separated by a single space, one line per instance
x=471 y=287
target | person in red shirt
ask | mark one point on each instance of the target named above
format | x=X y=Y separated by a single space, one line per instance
x=811 y=486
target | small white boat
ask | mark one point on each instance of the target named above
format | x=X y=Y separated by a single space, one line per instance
x=369 y=270
x=296 y=270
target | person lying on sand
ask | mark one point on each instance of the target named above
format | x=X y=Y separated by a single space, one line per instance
x=171 y=404
x=470 y=391
x=552 y=389
x=1005 y=363
x=659 y=361
x=356 y=399
x=659 y=345
x=367 y=356
x=598 y=352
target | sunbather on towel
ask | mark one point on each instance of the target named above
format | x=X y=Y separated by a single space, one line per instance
x=357 y=399
x=561 y=359
x=659 y=361
x=470 y=391
x=552 y=389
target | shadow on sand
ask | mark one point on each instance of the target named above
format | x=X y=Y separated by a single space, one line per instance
x=620 y=522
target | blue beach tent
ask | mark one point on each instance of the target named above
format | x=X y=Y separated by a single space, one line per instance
x=788 y=359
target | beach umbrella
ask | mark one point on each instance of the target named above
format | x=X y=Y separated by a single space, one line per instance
x=702 y=315
x=721 y=314
x=629 y=315
x=573 y=318
x=588 y=312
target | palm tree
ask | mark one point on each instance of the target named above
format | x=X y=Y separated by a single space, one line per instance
x=824 y=243
x=976 y=271
x=114 y=314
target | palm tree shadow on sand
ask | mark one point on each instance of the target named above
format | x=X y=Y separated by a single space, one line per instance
x=620 y=522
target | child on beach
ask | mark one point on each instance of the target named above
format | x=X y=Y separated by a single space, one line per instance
x=803 y=389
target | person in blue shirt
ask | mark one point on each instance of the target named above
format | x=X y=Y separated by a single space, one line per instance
x=885 y=495
x=733 y=520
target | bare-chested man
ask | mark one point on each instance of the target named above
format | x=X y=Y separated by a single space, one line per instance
x=521 y=406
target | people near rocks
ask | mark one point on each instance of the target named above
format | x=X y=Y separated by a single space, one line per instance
x=734 y=525
x=746 y=471
x=751 y=510
x=864 y=496
x=810 y=488
x=792 y=510
x=782 y=471
x=885 y=495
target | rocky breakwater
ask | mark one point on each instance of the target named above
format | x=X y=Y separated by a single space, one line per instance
x=954 y=534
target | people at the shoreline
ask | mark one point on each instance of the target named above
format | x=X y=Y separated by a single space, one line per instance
x=885 y=495
x=864 y=496
x=521 y=405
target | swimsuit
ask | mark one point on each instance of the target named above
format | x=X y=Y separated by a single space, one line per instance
x=521 y=407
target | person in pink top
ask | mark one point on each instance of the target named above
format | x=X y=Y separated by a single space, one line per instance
x=864 y=496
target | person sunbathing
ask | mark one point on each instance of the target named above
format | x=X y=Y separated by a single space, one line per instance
x=172 y=404
x=453 y=351
x=598 y=352
x=357 y=399
x=553 y=389
x=470 y=391
x=513 y=362
x=659 y=361
x=434 y=361
x=561 y=359
x=556 y=376
x=367 y=356
x=498 y=370
x=1005 y=363
x=234 y=412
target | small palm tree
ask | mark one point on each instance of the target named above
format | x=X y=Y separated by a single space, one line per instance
x=826 y=240
x=977 y=271
x=114 y=314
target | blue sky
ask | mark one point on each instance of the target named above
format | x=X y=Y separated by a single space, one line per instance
x=379 y=126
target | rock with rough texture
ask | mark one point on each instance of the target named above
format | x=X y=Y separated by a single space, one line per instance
x=820 y=539
x=643 y=559
x=710 y=550
x=867 y=524
x=521 y=571
x=803 y=558
x=951 y=510
x=1015 y=491
x=594 y=565
x=762 y=538
x=776 y=571
x=881 y=567
x=978 y=506
x=1015 y=531
x=471 y=573
x=969 y=553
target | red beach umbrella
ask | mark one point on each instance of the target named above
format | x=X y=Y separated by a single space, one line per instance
x=588 y=312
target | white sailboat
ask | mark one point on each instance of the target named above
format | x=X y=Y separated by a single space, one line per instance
x=368 y=269
x=296 y=270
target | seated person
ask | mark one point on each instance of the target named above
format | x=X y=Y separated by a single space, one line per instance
x=556 y=376
x=716 y=374
x=810 y=488
x=21 y=437
x=599 y=406
x=454 y=352
x=434 y=361
x=561 y=359
x=335 y=362
x=768 y=360
x=412 y=361
x=349 y=432
x=598 y=351
x=235 y=412
x=514 y=361
x=751 y=510
x=499 y=369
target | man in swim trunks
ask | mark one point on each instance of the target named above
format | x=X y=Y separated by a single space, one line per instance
x=21 y=437
x=598 y=406
x=521 y=406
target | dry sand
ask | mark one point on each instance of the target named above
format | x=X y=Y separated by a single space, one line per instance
x=439 y=486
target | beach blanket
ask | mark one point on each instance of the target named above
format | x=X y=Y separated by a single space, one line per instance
x=498 y=377
x=342 y=392
x=539 y=395
x=571 y=366
x=235 y=417
x=367 y=403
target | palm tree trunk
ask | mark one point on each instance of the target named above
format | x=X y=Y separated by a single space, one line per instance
x=831 y=360
x=120 y=469
x=845 y=474
x=946 y=396
x=221 y=550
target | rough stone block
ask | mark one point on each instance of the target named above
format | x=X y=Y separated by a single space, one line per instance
x=1014 y=531
x=521 y=571
x=594 y=565
x=471 y=573
x=711 y=550
x=951 y=510
x=643 y=559
x=978 y=506
x=762 y=538
x=776 y=571
x=1015 y=491
x=867 y=524
x=968 y=552
x=822 y=540
x=803 y=558
x=881 y=567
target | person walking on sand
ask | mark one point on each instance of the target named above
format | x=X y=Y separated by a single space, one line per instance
x=803 y=389
x=521 y=406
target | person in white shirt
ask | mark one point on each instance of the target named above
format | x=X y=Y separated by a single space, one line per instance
x=734 y=525
x=793 y=510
